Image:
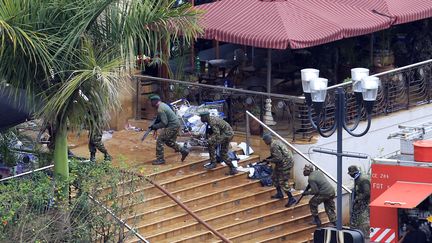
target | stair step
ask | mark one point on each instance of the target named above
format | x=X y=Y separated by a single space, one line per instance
x=240 y=214
x=303 y=234
x=184 y=180
x=290 y=227
x=250 y=196
x=167 y=206
x=255 y=226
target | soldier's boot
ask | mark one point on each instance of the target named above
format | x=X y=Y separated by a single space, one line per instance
x=107 y=157
x=316 y=221
x=184 y=153
x=92 y=156
x=291 y=200
x=232 y=170
x=279 y=194
x=70 y=154
x=210 y=165
x=158 y=162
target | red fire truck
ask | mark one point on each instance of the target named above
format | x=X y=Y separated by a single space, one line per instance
x=401 y=187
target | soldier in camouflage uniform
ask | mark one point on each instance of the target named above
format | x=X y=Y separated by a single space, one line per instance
x=283 y=160
x=169 y=122
x=361 y=197
x=218 y=132
x=323 y=192
x=95 y=142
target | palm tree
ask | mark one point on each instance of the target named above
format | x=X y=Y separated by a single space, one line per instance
x=76 y=54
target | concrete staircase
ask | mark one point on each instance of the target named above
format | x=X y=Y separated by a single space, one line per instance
x=238 y=207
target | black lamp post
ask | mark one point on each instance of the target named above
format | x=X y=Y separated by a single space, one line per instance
x=365 y=88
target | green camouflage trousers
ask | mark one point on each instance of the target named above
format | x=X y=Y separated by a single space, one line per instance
x=280 y=178
x=96 y=143
x=168 y=136
x=223 y=141
x=329 y=206
x=360 y=217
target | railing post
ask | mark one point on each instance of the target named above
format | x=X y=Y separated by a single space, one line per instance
x=247 y=134
x=408 y=84
x=428 y=80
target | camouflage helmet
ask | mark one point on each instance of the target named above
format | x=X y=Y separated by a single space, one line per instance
x=204 y=113
x=267 y=136
x=308 y=168
x=154 y=97
x=352 y=169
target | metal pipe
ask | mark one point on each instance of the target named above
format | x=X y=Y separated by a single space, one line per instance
x=119 y=219
x=340 y=104
x=345 y=155
x=26 y=173
x=296 y=150
x=402 y=162
x=247 y=135
x=288 y=97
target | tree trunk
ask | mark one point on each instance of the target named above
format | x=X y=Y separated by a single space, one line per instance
x=61 y=164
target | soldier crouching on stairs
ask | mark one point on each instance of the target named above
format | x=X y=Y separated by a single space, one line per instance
x=283 y=160
x=169 y=122
x=323 y=192
x=218 y=132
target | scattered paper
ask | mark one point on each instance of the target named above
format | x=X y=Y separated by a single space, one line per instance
x=242 y=156
x=243 y=146
x=206 y=155
x=194 y=119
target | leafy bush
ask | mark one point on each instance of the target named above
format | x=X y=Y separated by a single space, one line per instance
x=31 y=210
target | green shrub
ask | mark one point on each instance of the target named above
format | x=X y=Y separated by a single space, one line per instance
x=31 y=210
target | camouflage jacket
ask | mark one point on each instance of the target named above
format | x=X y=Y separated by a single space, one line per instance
x=167 y=117
x=280 y=155
x=319 y=184
x=362 y=189
x=217 y=127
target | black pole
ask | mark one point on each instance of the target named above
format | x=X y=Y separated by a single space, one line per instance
x=339 y=120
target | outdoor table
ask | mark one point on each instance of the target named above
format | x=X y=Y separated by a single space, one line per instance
x=220 y=64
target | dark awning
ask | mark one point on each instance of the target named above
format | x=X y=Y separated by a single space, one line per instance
x=15 y=107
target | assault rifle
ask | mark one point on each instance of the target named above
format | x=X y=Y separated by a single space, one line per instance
x=265 y=161
x=156 y=120
x=302 y=195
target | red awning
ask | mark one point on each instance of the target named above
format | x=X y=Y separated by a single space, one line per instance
x=401 y=11
x=403 y=194
x=407 y=11
x=287 y=24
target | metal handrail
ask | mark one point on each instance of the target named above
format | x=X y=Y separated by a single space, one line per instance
x=119 y=219
x=248 y=114
x=289 y=97
x=182 y=205
x=26 y=173
x=383 y=73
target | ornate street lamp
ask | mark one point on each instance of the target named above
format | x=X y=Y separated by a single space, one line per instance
x=365 y=90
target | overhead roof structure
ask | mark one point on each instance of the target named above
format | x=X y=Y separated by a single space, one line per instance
x=299 y=24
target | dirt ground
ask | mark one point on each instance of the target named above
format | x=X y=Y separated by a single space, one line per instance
x=129 y=152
